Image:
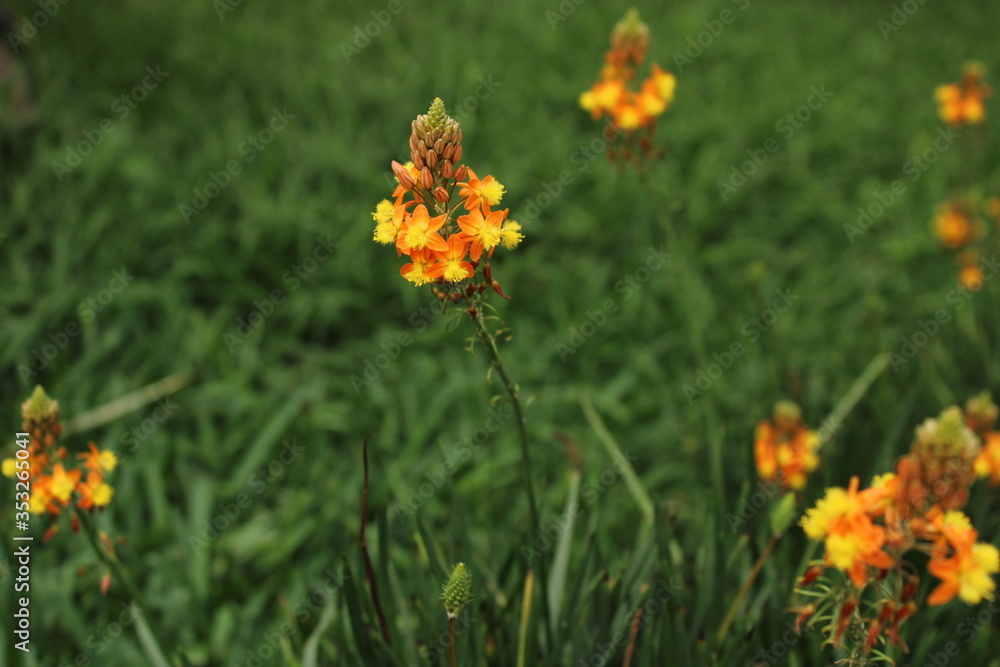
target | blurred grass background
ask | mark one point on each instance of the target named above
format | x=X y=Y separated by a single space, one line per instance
x=290 y=381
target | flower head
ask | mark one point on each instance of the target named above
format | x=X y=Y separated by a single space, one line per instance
x=962 y=103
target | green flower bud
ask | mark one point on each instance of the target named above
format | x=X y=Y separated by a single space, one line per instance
x=457 y=590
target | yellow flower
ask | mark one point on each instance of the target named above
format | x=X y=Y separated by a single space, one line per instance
x=510 y=234
x=383 y=211
x=63 y=483
x=108 y=460
x=102 y=495
x=9 y=468
x=836 y=503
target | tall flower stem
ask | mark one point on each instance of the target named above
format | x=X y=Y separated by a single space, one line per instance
x=152 y=643
x=452 y=656
x=745 y=588
x=489 y=341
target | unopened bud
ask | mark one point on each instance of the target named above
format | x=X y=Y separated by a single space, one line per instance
x=460 y=172
x=426 y=178
x=441 y=194
x=446 y=169
x=431 y=158
x=458 y=153
x=403 y=175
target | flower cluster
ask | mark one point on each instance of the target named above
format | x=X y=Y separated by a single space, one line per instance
x=959 y=227
x=962 y=103
x=444 y=248
x=868 y=533
x=612 y=95
x=55 y=483
x=958 y=223
x=784 y=449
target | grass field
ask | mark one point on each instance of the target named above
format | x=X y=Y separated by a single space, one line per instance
x=196 y=195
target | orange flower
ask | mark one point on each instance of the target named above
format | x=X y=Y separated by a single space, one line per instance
x=94 y=492
x=963 y=103
x=663 y=83
x=970 y=277
x=954 y=225
x=421 y=231
x=967 y=573
x=786 y=450
x=62 y=483
x=853 y=541
x=416 y=270
x=451 y=264
x=97 y=460
x=988 y=462
x=484 y=233
x=480 y=193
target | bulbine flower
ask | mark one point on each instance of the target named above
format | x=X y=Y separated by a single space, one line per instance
x=612 y=95
x=784 y=449
x=962 y=103
x=447 y=251
x=869 y=533
x=54 y=483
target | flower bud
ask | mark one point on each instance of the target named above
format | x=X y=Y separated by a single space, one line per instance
x=446 y=170
x=431 y=158
x=460 y=172
x=403 y=175
x=426 y=178
x=441 y=194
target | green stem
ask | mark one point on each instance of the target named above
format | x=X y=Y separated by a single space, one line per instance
x=745 y=588
x=119 y=572
x=452 y=657
x=490 y=342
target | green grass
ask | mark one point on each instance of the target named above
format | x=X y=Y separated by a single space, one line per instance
x=290 y=381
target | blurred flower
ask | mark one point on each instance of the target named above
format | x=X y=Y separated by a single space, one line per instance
x=955 y=224
x=962 y=103
x=785 y=449
x=988 y=462
x=612 y=96
x=967 y=571
x=53 y=484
